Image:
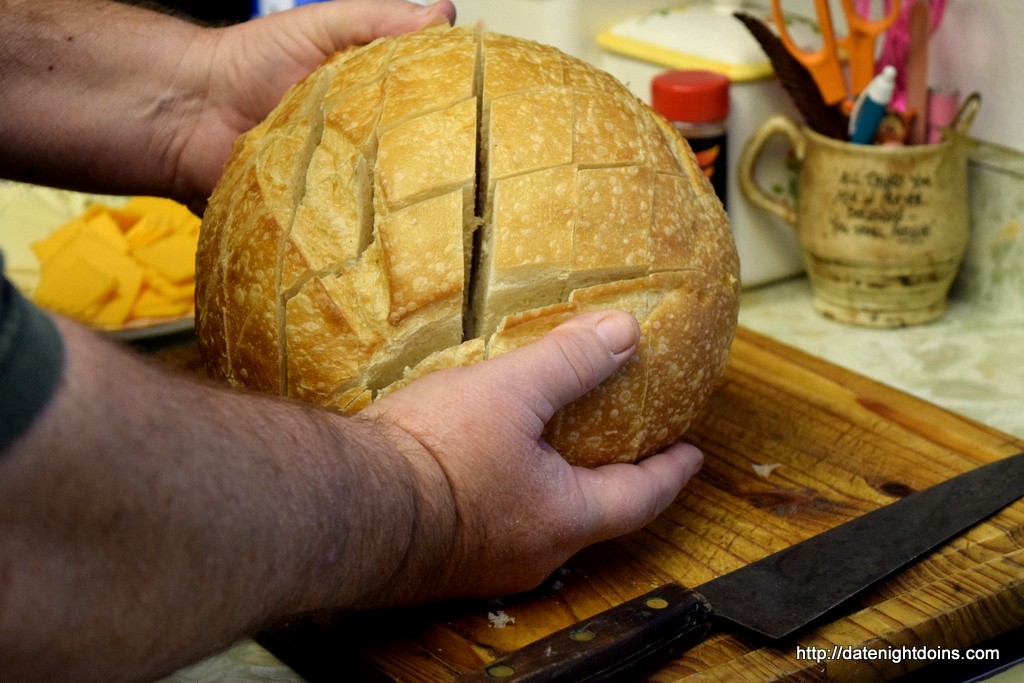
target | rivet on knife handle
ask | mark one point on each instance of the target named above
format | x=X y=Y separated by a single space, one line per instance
x=644 y=632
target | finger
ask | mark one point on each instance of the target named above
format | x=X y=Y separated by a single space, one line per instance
x=569 y=361
x=624 y=497
x=339 y=25
x=395 y=17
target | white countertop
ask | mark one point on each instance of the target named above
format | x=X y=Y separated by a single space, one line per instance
x=969 y=361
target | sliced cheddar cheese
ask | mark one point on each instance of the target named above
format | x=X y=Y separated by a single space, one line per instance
x=113 y=265
x=73 y=286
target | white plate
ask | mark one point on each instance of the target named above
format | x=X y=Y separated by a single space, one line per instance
x=141 y=329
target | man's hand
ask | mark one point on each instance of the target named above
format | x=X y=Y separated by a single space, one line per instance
x=251 y=65
x=499 y=510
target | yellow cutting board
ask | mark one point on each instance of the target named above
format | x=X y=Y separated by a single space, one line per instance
x=794 y=446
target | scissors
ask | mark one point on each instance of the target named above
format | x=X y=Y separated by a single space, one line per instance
x=825 y=65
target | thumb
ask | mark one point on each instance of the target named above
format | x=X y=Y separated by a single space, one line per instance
x=571 y=359
x=395 y=17
x=338 y=25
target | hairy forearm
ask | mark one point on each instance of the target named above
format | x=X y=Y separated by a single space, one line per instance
x=88 y=88
x=147 y=522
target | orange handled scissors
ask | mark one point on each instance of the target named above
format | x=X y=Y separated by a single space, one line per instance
x=826 y=65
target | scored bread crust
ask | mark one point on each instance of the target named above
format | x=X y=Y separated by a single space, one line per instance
x=440 y=198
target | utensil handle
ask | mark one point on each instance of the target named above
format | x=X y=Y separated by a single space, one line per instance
x=633 y=637
x=779 y=124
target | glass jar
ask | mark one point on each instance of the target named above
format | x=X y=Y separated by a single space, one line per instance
x=696 y=103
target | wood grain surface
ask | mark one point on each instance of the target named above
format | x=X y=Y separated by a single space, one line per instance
x=794 y=446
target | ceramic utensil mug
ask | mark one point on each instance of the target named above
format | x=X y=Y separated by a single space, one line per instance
x=883 y=229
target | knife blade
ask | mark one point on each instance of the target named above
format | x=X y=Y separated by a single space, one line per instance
x=776 y=596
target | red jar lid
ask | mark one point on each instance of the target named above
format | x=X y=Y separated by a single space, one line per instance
x=691 y=95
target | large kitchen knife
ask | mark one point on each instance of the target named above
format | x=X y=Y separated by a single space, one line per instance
x=776 y=596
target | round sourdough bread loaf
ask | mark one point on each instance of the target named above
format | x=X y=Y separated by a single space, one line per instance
x=443 y=197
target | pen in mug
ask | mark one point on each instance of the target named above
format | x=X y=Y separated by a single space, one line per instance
x=871 y=105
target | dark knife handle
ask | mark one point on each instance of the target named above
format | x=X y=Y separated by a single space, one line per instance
x=633 y=637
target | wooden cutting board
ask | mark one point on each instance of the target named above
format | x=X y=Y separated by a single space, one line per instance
x=794 y=446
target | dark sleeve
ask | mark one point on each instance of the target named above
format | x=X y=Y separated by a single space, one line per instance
x=31 y=361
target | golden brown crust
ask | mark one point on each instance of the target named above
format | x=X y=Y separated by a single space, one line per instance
x=334 y=259
x=531 y=131
x=613 y=225
x=426 y=74
x=528 y=245
x=425 y=156
x=423 y=260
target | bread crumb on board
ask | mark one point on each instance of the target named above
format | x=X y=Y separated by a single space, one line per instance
x=499 y=619
x=765 y=470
